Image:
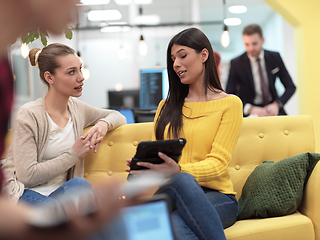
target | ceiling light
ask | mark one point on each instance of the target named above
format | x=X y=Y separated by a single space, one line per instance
x=143 y=48
x=104 y=15
x=147 y=19
x=118 y=87
x=24 y=50
x=232 y=21
x=85 y=70
x=118 y=23
x=237 y=9
x=225 y=38
x=110 y=29
x=85 y=73
x=94 y=2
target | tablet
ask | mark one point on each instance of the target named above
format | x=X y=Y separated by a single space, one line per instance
x=147 y=151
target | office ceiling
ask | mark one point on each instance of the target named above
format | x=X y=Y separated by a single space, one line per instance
x=180 y=12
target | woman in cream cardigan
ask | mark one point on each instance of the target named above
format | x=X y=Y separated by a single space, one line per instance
x=45 y=159
x=198 y=110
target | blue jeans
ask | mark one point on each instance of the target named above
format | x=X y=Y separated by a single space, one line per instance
x=197 y=212
x=35 y=198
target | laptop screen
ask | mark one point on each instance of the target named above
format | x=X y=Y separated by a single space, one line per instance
x=147 y=221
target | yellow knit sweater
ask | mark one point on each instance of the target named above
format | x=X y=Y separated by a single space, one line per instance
x=212 y=130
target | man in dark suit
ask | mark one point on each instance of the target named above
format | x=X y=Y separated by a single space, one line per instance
x=253 y=74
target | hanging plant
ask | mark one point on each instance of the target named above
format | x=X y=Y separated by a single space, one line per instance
x=36 y=34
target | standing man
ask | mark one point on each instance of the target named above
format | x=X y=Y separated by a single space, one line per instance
x=253 y=74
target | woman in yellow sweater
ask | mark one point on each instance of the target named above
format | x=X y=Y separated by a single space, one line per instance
x=198 y=110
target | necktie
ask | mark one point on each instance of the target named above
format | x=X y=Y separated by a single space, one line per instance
x=264 y=87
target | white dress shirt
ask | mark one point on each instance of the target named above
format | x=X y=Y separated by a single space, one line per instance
x=256 y=79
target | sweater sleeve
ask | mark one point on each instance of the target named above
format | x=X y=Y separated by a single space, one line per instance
x=217 y=160
x=26 y=144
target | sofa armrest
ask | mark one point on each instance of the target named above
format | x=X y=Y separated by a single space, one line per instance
x=117 y=146
x=310 y=205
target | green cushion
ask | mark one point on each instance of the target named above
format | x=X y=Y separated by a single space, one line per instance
x=276 y=188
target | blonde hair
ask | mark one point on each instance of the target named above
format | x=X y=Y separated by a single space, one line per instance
x=46 y=59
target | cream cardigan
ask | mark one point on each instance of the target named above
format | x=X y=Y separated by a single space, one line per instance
x=30 y=136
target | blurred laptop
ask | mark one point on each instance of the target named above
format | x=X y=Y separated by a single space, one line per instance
x=147 y=220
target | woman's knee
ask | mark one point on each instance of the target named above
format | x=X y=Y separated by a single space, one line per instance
x=79 y=182
x=181 y=183
x=70 y=187
x=183 y=179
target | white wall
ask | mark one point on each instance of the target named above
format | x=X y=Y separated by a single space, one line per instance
x=99 y=53
x=290 y=61
x=279 y=36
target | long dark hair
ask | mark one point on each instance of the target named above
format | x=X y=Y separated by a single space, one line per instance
x=171 y=111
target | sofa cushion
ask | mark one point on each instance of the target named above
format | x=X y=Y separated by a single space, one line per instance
x=276 y=188
x=294 y=227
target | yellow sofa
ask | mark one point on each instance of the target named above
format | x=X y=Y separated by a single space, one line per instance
x=268 y=138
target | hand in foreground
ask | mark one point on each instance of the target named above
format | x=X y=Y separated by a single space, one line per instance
x=168 y=169
x=62 y=13
x=108 y=205
x=13 y=223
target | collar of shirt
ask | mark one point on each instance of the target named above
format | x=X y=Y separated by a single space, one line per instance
x=254 y=59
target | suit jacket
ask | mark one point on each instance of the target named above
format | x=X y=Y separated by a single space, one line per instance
x=241 y=82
